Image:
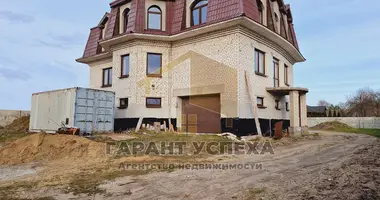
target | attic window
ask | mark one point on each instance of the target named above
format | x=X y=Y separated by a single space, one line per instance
x=199 y=13
x=154 y=18
x=261 y=8
x=125 y=16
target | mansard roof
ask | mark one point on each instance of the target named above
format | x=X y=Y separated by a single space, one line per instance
x=218 y=11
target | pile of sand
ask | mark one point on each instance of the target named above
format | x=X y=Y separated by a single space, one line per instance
x=47 y=147
x=334 y=125
x=18 y=126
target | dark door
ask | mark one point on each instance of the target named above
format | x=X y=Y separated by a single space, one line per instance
x=201 y=114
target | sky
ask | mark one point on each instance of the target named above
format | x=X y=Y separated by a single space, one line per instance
x=40 y=40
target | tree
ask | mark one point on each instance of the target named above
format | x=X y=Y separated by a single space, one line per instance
x=377 y=104
x=323 y=103
x=363 y=103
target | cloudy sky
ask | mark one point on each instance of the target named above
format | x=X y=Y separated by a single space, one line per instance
x=41 y=39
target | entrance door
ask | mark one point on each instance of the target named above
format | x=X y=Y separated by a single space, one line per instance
x=201 y=114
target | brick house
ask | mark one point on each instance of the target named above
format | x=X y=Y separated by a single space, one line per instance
x=186 y=61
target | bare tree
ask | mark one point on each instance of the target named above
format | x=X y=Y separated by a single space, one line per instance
x=323 y=103
x=362 y=103
x=376 y=110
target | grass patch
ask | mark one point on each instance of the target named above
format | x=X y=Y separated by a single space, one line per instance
x=341 y=127
x=372 y=132
x=88 y=183
x=253 y=193
x=7 y=192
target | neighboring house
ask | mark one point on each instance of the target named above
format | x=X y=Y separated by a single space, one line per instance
x=317 y=111
x=186 y=60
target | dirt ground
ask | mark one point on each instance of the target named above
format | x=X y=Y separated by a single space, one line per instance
x=329 y=166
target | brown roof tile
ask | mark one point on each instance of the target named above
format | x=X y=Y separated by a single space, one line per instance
x=92 y=46
x=218 y=10
x=112 y=23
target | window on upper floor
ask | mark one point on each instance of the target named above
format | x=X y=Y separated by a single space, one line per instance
x=125 y=18
x=276 y=17
x=199 y=12
x=154 y=63
x=107 y=77
x=260 y=6
x=259 y=62
x=286 y=75
x=154 y=18
x=125 y=66
x=276 y=72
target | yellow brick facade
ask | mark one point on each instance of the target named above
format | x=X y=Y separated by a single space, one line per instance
x=211 y=62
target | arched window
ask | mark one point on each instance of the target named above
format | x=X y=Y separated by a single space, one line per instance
x=125 y=18
x=261 y=10
x=199 y=12
x=276 y=17
x=155 y=18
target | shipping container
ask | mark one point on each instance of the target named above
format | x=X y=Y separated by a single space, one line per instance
x=90 y=110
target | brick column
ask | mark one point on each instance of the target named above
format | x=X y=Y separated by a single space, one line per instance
x=295 y=128
x=303 y=114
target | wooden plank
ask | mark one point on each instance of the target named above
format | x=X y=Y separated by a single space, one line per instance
x=253 y=102
x=139 y=124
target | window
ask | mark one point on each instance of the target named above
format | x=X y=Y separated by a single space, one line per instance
x=276 y=70
x=154 y=18
x=199 y=13
x=154 y=65
x=107 y=77
x=286 y=74
x=125 y=16
x=260 y=102
x=259 y=62
x=124 y=66
x=261 y=8
x=123 y=103
x=287 y=106
x=277 y=105
x=276 y=17
x=153 y=102
x=229 y=123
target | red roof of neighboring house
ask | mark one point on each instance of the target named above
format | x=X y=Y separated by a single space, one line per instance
x=218 y=11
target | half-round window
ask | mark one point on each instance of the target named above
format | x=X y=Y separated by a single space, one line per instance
x=199 y=12
x=155 y=18
x=125 y=18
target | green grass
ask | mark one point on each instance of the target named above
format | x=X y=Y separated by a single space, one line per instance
x=371 y=132
x=254 y=193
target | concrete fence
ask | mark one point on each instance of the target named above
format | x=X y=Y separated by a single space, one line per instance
x=355 y=122
x=7 y=116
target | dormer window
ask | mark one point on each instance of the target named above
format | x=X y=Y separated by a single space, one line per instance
x=261 y=10
x=125 y=17
x=154 y=18
x=199 y=13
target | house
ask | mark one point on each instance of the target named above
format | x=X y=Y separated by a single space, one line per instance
x=317 y=111
x=185 y=61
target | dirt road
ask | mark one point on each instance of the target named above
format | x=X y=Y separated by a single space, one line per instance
x=333 y=166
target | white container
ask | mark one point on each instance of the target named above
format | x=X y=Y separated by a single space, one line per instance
x=90 y=110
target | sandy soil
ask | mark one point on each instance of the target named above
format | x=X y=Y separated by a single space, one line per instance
x=333 y=166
